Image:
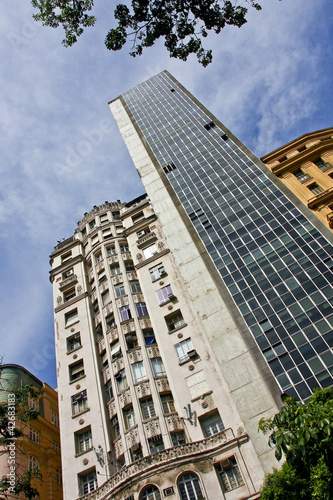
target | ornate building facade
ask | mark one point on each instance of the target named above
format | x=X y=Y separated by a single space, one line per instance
x=305 y=166
x=39 y=447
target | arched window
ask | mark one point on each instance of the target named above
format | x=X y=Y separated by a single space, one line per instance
x=189 y=487
x=150 y=493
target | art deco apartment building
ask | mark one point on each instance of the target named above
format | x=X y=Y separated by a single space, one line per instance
x=40 y=444
x=146 y=411
x=305 y=166
x=182 y=316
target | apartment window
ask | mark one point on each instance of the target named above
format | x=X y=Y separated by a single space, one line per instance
x=124 y=247
x=136 y=454
x=114 y=269
x=174 y=321
x=115 y=429
x=168 y=404
x=197 y=384
x=189 y=487
x=157 y=272
x=68 y=274
x=143 y=232
x=73 y=342
x=125 y=313
x=164 y=294
x=54 y=418
x=150 y=493
x=84 y=231
x=178 y=438
x=32 y=403
x=139 y=372
x=79 y=402
x=96 y=306
x=66 y=256
x=323 y=165
x=59 y=477
x=147 y=409
x=121 y=380
x=34 y=435
x=71 y=317
x=83 y=440
x=149 y=336
x=137 y=217
x=106 y=297
x=135 y=286
x=110 y=250
x=109 y=391
x=150 y=251
x=103 y=218
x=92 y=224
x=183 y=348
x=33 y=464
x=56 y=447
x=107 y=233
x=98 y=257
x=88 y=483
x=211 y=424
x=119 y=290
x=131 y=341
x=129 y=266
x=101 y=277
x=116 y=215
x=141 y=309
x=158 y=367
x=316 y=189
x=229 y=474
x=110 y=321
x=76 y=371
x=69 y=295
x=129 y=417
x=301 y=176
x=155 y=444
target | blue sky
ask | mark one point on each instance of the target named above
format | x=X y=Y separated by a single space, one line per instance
x=61 y=152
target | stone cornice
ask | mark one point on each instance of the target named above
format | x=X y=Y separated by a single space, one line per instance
x=71 y=302
x=116 y=205
x=162 y=461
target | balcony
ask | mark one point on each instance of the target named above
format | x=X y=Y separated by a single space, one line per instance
x=112 y=334
x=100 y=266
x=128 y=326
x=118 y=447
x=66 y=283
x=162 y=384
x=320 y=198
x=145 y=322
x=125 y=398
x=146 y=239
x=174 y=423
x=106 y=374
x=118 y=365
x=112 y=408
x=152 y=427
x=153 y=351
x=135 y=355
x=142 y=389
x=132 y=436
x=166 y=460
x=101 y=345
x=112 y=259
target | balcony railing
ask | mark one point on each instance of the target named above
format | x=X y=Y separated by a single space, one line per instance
x=167 y=459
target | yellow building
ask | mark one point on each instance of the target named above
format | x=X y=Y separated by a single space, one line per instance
x=305 y=166
x=40 y=444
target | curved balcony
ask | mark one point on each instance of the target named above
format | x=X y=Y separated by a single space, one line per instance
x=164 y=461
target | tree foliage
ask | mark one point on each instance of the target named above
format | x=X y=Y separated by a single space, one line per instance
x=14 y=414
x=304 y=434
x=182 y=23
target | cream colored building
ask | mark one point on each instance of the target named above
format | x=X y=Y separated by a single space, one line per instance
x=305 y=166
x=150 y=403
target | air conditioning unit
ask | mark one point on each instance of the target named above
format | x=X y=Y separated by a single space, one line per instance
x=171 y=296
x=192 y=353
x=78 y=397
x=77 y=336
x=69 y=273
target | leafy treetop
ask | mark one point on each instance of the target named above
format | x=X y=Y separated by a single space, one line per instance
x=182 y=23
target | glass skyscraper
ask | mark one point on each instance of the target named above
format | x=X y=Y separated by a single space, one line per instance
x=274 y=259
